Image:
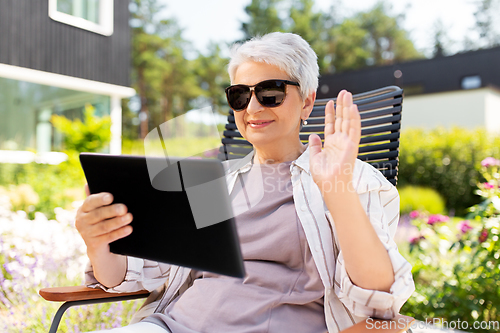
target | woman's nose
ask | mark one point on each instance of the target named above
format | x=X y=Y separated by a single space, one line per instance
x=254 y=105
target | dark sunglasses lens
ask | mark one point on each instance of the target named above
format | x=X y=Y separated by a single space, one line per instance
x=238 y=97
x=270 y=93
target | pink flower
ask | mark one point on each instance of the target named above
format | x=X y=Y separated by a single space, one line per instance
x=490 y=161
x=488 y=186
x=464 y=226
x=414 y=214
x=437 y=218
x=484 y=236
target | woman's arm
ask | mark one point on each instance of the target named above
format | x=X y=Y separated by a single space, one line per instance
x=366 y=259
x=367 y=262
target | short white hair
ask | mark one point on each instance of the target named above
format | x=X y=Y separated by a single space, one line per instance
x=289 y=52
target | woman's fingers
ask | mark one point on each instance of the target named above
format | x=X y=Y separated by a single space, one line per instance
x=347 y=105
x=355 y=126
x=99 y=222
x=114 y=235
x=339 y=111
x=329 y=118
x=106 y=212
x=96 y=200
x=109 y=226
x=314 y=145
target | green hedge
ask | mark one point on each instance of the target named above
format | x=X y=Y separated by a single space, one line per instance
x=447 y=160
x=420 y=198
x=56 y=185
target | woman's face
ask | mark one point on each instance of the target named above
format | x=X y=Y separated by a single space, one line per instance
x=261 y=125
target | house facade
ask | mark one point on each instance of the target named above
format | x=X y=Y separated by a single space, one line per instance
x=459 y=90
x=56 y=57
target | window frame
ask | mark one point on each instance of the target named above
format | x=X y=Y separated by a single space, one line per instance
x=106 y=18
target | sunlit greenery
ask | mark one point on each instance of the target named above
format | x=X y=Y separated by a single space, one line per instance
x=455 y=261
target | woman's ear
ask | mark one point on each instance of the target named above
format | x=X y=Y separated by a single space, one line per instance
x=308 y=105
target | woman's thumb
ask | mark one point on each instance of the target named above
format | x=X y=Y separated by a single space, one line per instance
x=314 y=145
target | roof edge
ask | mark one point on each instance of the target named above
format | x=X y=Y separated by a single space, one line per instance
x=64 y=81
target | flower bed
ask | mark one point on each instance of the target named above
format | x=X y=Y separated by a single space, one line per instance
x=46 y=253
x=455 y=261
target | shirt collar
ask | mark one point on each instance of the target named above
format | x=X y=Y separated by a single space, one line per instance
x=244 y=164
x=241 y=165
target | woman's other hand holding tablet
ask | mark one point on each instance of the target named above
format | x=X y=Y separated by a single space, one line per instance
x=100 y=222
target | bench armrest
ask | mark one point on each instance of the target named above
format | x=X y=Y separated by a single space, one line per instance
x=80 y=293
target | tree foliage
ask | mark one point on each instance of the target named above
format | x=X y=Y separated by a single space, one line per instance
x=169 y=82
x=374 y=37
x=486 y=15
x=211 y=75
x=264 y=18
x=161 y=73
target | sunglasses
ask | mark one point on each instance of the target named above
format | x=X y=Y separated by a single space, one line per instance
x=269 y=93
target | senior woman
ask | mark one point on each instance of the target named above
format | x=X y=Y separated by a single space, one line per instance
x=318 y=247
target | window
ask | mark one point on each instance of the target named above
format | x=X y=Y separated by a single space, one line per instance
x=471 y=82
x=92 y=15
x=28 y=107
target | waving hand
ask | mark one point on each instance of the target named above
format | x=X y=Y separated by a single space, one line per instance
x=334 y=164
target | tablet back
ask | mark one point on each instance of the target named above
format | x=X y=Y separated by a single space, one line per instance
x=164 y=227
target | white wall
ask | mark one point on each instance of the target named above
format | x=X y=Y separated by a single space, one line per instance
x=464 y=108
x=492 y=114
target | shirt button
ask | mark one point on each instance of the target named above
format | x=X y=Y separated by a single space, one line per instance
x=303 y=208
x=318 y=248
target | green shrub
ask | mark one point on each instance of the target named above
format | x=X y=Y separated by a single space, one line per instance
x=455 y=262
x=91 y=135
x=422 y=199
x=62 y=184
x=447 y=160
x=55 y=185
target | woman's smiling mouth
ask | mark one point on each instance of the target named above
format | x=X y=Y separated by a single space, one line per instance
x=259 y=123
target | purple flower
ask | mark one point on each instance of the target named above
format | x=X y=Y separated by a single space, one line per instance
x=464 y=226
x=437 y=218
x=490 y=161
x=414 y=214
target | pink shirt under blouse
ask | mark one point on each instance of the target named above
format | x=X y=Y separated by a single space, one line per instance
x=282 y=291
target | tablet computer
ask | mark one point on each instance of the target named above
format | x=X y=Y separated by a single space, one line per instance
x=181 y=209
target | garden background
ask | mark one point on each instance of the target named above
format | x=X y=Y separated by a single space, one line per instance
x=448 y=177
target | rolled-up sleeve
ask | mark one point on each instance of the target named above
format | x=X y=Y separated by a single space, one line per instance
x=141 y=274
x=380 y=201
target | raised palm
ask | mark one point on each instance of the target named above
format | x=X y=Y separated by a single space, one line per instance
x=332 y=166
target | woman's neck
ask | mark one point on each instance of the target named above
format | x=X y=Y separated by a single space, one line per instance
x=274 y=154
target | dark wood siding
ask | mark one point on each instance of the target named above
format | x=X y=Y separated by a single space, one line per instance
x=420 y=76
x=30 y=38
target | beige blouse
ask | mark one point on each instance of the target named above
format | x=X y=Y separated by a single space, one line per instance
x=344 y=302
